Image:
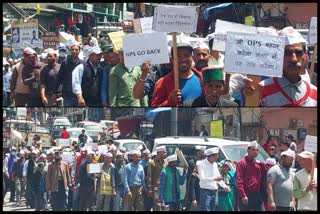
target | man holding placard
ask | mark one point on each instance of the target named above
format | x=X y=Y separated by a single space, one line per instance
x=122 y=81
x=305 y=188
x=291 y=89
x=190 y=80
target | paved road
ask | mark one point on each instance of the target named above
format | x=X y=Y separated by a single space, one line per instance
x=11 y=206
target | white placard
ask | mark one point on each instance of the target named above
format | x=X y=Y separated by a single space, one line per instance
x=221 y=29
x=94 y=146
x=103 y=149
x=64 y=142
x=94 y=168
x=168 y=18
x=310 y=144
x=146 y=24
x=254 y=54
x=138 y=48
x=129 y=16
x=313 y=31
x=67 y=157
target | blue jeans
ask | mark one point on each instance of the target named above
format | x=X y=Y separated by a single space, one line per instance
x=75 y=200
x=119 y=194
x=208 y=200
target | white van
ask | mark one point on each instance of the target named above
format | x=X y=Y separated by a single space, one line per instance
x=232 y=150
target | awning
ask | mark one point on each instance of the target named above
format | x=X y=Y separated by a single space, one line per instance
x=206 y=12
x=152 y=114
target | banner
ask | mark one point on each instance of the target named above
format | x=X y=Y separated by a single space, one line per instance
x=168 y=18
x=313 y=31
x=63 y=142
x=116 y=39
x=216 y=128
x=310 y=143
x=221 y=29
x=24 y=35
x=146 y=24
x=152 y=47
x=94 y=168
x=254 y=54
x=50 y=40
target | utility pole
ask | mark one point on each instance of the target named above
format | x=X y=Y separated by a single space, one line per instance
x=174 y=121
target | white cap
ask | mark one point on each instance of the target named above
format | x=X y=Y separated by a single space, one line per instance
x=29 y=51
x=84 y=149
x=136 y=152
x=43 y=55
x=253 y=144
x=10 y=60
x=90 y=152
x=183 y=41
x=306 y=154
x=289 y=153
x=43 y=156
x=271 y=161
x=94 y=50
x=172 y=158
x=130 y=152
x=72 y=42
x=147 y=151
x=50 y=51
x=119 y=153
x=113 y=148
x=271 y=31
x=292 y=36
x=200 y=44
x=201 y=147
x=153 y=154
x=49 y=151
x=35 y=151
x=21 y=152
x=211 y=151
x=108 y=154
x=5 y=62
x=161 y=148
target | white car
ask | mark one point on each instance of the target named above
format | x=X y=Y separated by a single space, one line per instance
x=129 y=144
x=74 y=135
x=232 y=150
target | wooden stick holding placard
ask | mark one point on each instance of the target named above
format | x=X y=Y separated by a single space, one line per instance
x=313 y=166
x=175 y=61
x=314 y=55
x=252 y=99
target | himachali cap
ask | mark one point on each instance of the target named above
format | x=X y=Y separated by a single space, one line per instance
x=253 y=144
x=289 y=153
x=161 y=148
x=306 y=154
x=200 y=147
x=271 y=161
x=292 y=36
x=211 y=151
x=172 y=158
x=212 y=73
x=107 y=48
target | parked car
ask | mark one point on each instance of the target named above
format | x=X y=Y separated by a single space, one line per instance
x=92 y=128
x=232 y=150
x=129 y=144
x=74 y=135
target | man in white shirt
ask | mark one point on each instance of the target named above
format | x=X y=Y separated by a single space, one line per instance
x=210 y=178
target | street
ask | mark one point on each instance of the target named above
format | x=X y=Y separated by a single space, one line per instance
x=12 y=207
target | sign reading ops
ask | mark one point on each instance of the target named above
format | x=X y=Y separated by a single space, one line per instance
x=310 y=143
x=138 y=48
x=168 y=18
x=254 y=54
